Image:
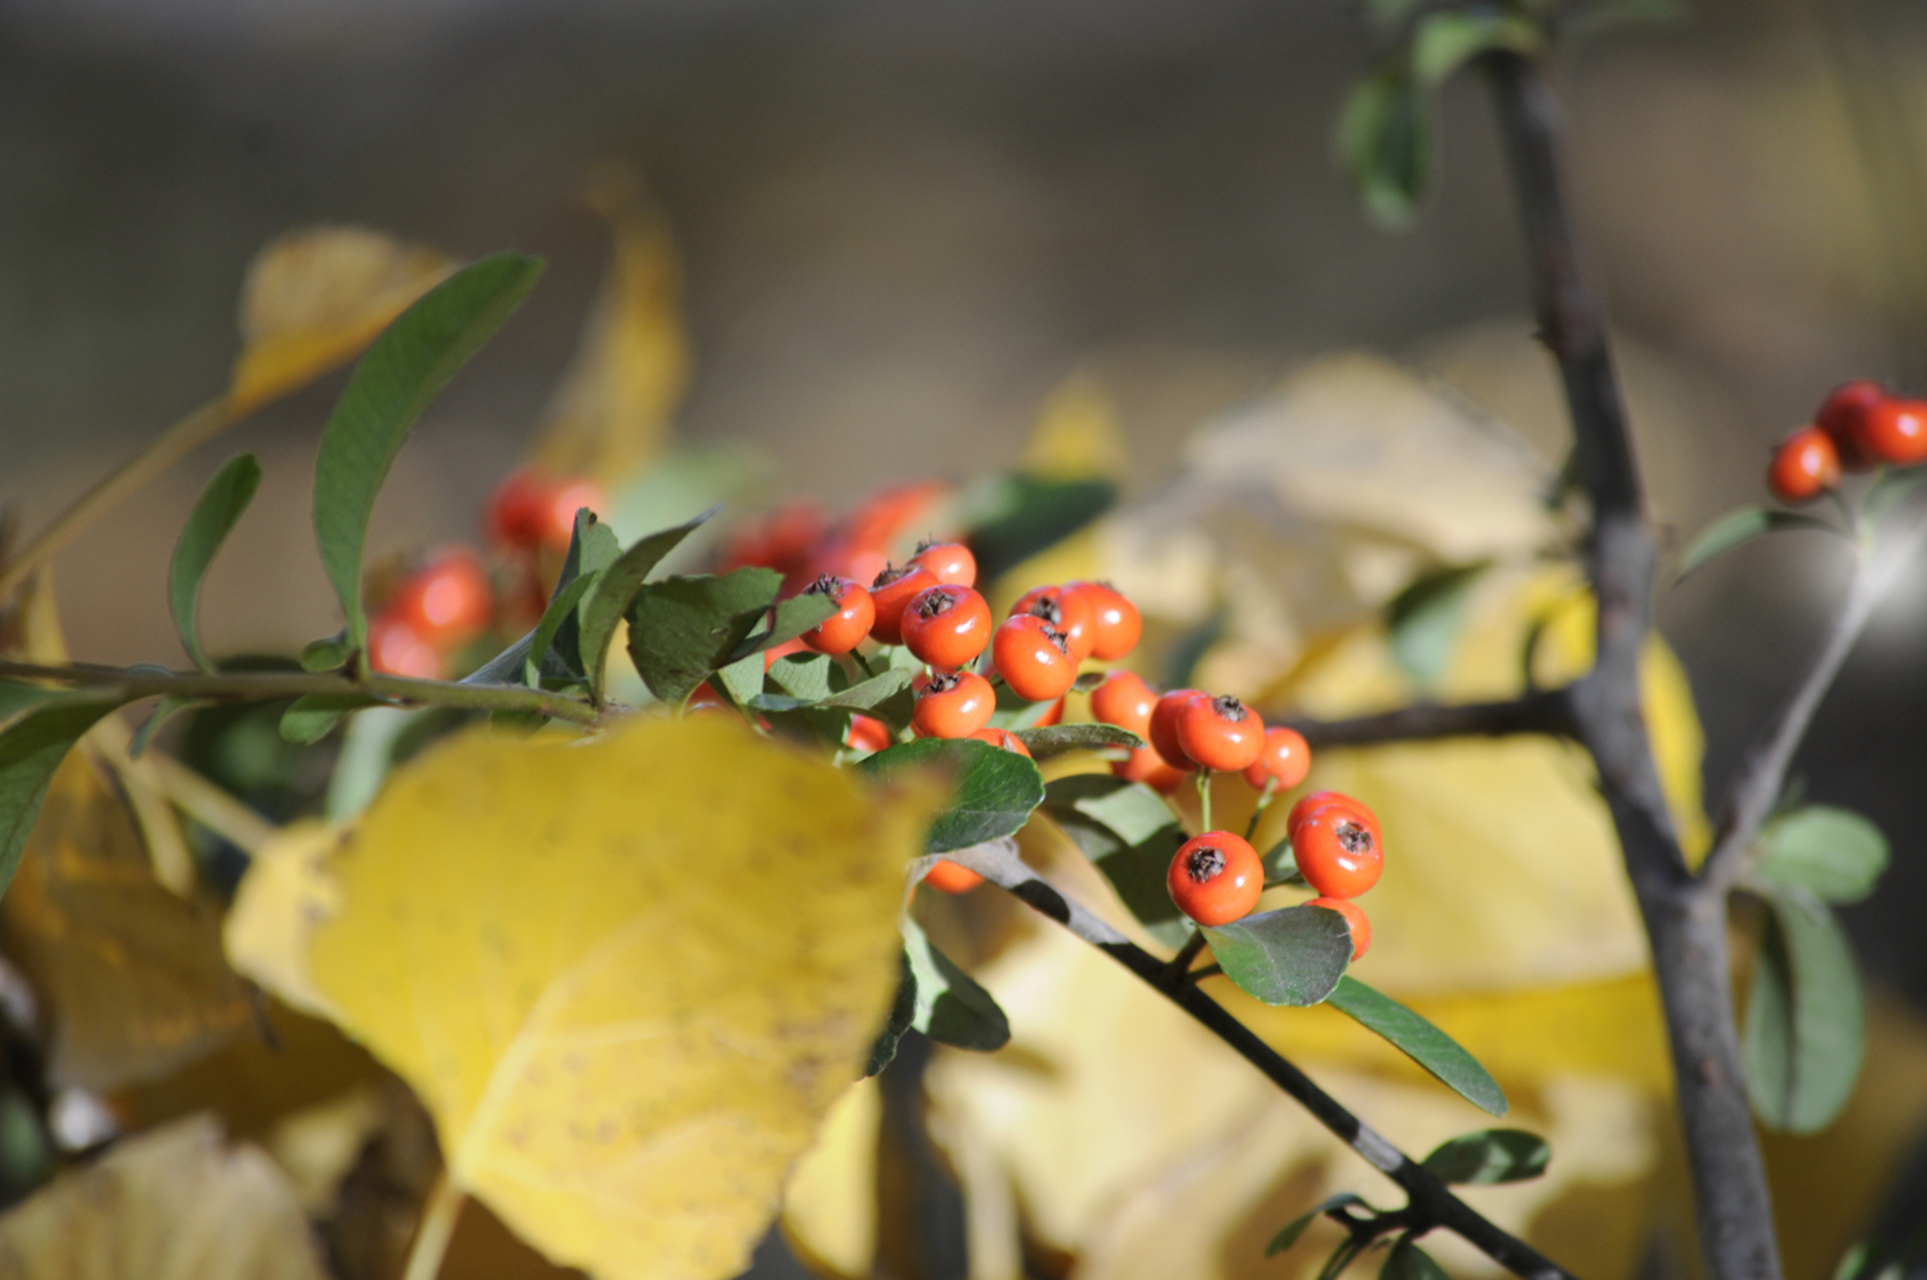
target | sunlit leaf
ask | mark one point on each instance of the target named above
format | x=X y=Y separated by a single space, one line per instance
x=1424 y=1043
x=402 y=372
x=616 y=590
x=1742 y=526
x=1052 y=740
x=1806 y=1019
x=1489 y=1156
x=227 y=495
x=681 y=630
x=1292 y=956
x=992 y=791
x=1835 y=854
x=1130 y=834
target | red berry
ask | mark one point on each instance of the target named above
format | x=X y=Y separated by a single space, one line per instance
x=1220 y=733
x=1066 y=610
x=881 y=517
x=1338 y=850
x=867 y=733
x=1843 y=416
x=1115 y=625
x=953 y=705
x=1313 y=800
x=705 y=699
x=946 y=626
x=1003 y=738
x=951 y=562
x=1361 y=928
x=1895 y=431
x=1216 y=878
x=449 y=602
x=560 y=504
x=1030 y=656
x=1145 y=765
x=394 y=646
x=783 y=650
x=951 y=877
x=514 y=514
x=843 y=630
x=1164 y=727
x=1125 y=701
x=892 y=592
x=1053 y=716
x=1285 y=758
x=1804 y=466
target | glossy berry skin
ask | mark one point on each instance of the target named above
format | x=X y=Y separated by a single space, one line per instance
x=1220 y=733
x=1115 y=622
x=705 y=699
x=1355 y=920
x=855 y=612
x=396 y=648
x=1030 y=657
x=950 y=562
x=867 y=733
x=946 y=626
x=1215 y=878
x=1895 y=432
x=1284 y=759
x=1004 y=739
x=1065 y=609
x=951 y=877
x=1311 y=801
x=892 y=593
x=1843 y=416
x=1337 y=853
x=953 y=705
x=449 y=602
x=1125 y=701
x=1805 y=466
x=776 y=652
x=1164 y=727
x=1145 y=765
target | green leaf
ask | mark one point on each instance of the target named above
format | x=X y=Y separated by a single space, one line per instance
x=742 y=679
x=940 y=1000
x=1058 y=738
x=886 y=695
x=227 y=495
x=164 y=710
x=1012 y=518
x=1281 y=864
x=1014 y=711
x=560 y=610
x=1444 y=42
x=616 y=591
x=1407 y=1261
x=394 y=382
x=683 y=630
x=1741 y=526
x=313 y=716
x=17 y=698
x=1130 y=834
x=592 y=549
x=330 y=653
x=1422 y=622
x=31 y=748
x=993 y=790
x=1806 y=1020
x=1834 y=854
x=1424 y=1043
x=1384 y=142
x=1294 y=956
x=1343 y=1256
x=1292 y=1230
x=792 y=617
x=809 y=677
x=1489 y=1156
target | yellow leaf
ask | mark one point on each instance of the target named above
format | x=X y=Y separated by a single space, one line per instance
x=1077 y=435
x=286 y=895
x=612 y=413
x=830 y=1205
x=173 y=1204
x=131 y=973
x=627 y=976
x=315 y=297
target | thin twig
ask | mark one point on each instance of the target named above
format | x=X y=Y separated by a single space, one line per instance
x=1433 y=1206
x=1541 y=711
x=436 y=1229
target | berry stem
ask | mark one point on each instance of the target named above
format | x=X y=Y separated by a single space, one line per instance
x=1265 y=798
x=1204 y=799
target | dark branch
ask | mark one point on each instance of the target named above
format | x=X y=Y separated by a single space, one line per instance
x=1545 y=711
x=1432 y=1204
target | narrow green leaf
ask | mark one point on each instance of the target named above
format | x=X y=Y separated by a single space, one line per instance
x=1013 y=517
x=1806 y=1020
x=1834 y=854
x=1294 y=956
x=561 y=609
x=164 y=710
x=18 y=698
x=31 y=748
x=312 y=717
x=1444 y=42
x=1292 y=1230
x=1343 y=1256
x=227 y=495
x=1742 y=526
x=1424 y=1043
x=1422 y=622
x=1384 y=142
x=329 y=653
x=593 y=547
x=993 y=790
x=1407 y=1261
x=683 y=630
x=1130 y=834
x=1056 y=739
x=617 y=589
x=394 y=382
x=1489 y=1156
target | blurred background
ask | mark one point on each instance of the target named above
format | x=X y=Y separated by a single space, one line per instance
x=903 y=225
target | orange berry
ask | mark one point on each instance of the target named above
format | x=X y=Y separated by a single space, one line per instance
x=1804 y=466
x=946 y=626
x=1164 y=727
x=1361 y=928
x=1068 y=611
x=1145 y=765
x=1220 y=733
x=1116 y=624
x=1338 y=850
x=1843 y=416
x=1125 y=701
x=1895 y=431
x=891 y=592
x=1030 y=656
x=395 y=647
x=950 y=562
x=951 y=877
x=1003 y=738
x=1286 y=757
x=1215 y=878
x=843 y=630
x=867 y=733
x=952 y=705
x=448 y=602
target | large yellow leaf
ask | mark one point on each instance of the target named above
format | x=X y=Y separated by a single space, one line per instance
x=174 y=1204
x=628 y=976
x=315 y=297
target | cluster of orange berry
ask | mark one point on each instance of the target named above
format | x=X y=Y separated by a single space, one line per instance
x=1859 y=426
x=438 y=609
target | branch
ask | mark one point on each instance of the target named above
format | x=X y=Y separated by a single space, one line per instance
x=1432 y=1203
x=130 y=684
x=1685 y=925
x=1542 y=711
